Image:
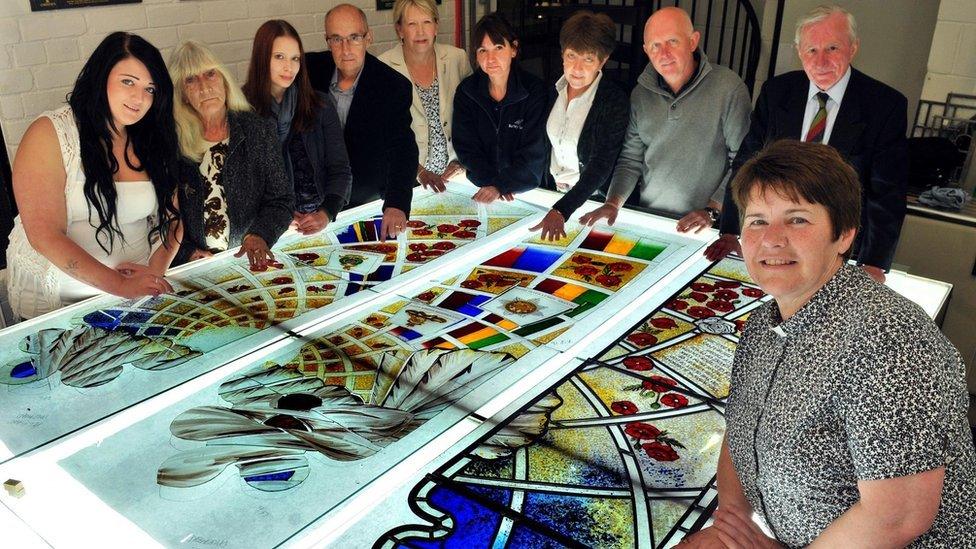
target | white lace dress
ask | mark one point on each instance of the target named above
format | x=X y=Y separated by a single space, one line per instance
x=34 y=285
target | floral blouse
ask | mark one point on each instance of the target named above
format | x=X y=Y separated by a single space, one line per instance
x=857 y=385
x=216 y=224
x=437 y=141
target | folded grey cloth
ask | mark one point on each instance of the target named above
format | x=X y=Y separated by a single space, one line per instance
x=948 y=198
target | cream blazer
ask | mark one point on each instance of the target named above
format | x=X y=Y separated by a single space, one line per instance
x=452 y=67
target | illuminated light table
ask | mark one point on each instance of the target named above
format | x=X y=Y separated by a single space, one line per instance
x=329 y=431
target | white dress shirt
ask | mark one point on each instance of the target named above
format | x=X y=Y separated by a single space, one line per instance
x=564 y=126
x=836 y=93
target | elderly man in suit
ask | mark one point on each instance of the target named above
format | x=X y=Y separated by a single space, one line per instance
x=831 y=102
x=373 y=102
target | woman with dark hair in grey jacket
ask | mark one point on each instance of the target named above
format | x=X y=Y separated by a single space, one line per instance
x=307 y=124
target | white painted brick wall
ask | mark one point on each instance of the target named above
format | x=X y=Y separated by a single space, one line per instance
x=952 y=61
x=41 y=53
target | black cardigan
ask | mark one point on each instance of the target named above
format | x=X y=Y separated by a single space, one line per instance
x=509 y=154
x=599 y=145
x=382 y=150
x=259 y=196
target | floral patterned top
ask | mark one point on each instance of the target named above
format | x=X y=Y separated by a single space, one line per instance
x=437 y=142
x=857 y=385
x=216 y=224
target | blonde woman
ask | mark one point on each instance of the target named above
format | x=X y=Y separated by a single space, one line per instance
x=234 y=188
x=435 y=70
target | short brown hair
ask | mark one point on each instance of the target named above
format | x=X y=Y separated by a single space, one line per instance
x=588 y=32
x=811 y=171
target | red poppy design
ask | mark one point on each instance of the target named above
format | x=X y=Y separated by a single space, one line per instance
x=415 y=257
x=586 y=270
x=727 y=284
x=416 y=224
x=426 y=296
x=740 y=325
x=663 y=323
x=659 y=384
x=609 y=280
x=698 y=296
x=642 y=339
x=700 y=312
x=446 y=228
x=727 y=295
x=702 y=287
x=444 y=245
x=488 y=278
x=433 y=253
x=308 y=256
x=624 y=407
x=720 y=305
x=677 y=305
x=580 y=259
x=659 y=451
x=471 y=284
x=674 y=400
x=286 y=290
x=638 y=363
x=256 y=269
x=418 y=246
x=640 y=430
x=469 y=223
x=327 y=287
x=464 y=234
x=620 y=266
x=281 y=280
x=423 y=232
x=753 y=292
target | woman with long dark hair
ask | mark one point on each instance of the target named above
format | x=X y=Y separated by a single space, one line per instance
x=94 y=183
x=307 y=125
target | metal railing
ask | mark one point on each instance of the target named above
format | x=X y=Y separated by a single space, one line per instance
x=730 y=33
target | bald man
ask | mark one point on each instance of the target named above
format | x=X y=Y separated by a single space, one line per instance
x=373 y=102
x=687 y=119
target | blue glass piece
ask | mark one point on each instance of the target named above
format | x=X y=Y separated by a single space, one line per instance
x=153 y=331
x=23 y=370
x=570 y=515
x=347 y=235
x=137 y=317
x=408 y=335
x=107 y=319
x=385 y=272
x=172 y=332
x=523 y=536
x=469 y=310
x=474 y=525
x=537 y=260
x=284 y=475
x=478 y=299
x=129 y=329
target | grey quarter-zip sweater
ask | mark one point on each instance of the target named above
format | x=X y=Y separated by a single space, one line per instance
x=680 y=148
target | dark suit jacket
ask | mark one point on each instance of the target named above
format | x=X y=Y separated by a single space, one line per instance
x=599 y=145
x=382 y=149
x=259 y=196
x=869 y=132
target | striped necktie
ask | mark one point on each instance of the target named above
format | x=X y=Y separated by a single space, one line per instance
x=819 y=124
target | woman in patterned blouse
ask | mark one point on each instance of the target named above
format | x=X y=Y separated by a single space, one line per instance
x=308 y=126
x=235 y=191
x=435 y=71
x=847 y=415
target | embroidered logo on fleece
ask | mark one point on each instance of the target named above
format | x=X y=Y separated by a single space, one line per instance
x=517 y=125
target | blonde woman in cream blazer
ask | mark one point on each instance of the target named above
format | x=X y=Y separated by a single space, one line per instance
x=435 y=70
